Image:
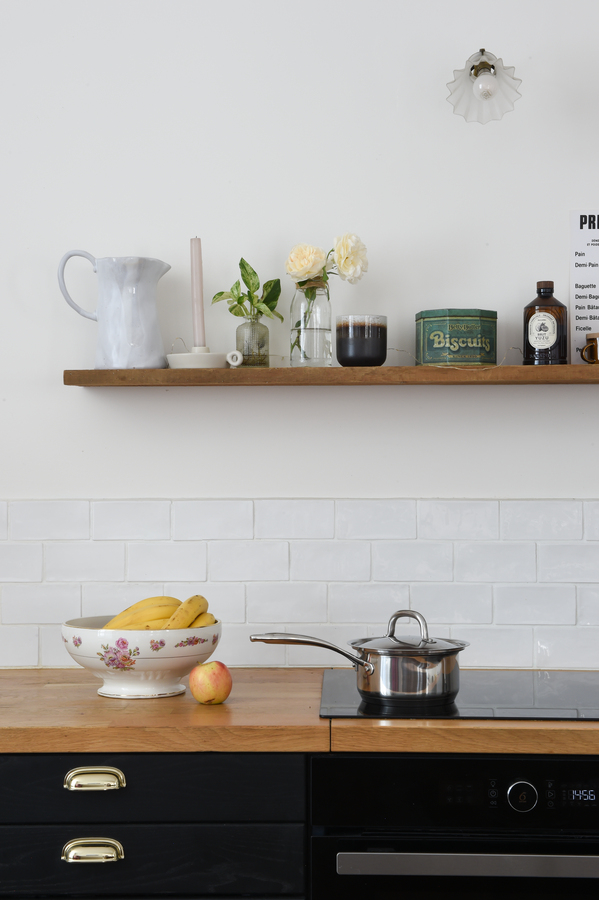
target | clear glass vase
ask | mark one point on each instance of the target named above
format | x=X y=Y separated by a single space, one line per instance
x=252 y=341
x=311 y=326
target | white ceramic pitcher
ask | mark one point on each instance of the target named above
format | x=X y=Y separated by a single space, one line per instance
x=127 y=314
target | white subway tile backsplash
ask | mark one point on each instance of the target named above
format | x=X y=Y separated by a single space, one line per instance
x=519 y=579
x=458 y=520
x=591 y=520
x=495 y=647
x=212 y=520
x=412 y=561
x=52 y=520
x=295 y=520
x=375 y=519
x=566 y=648
x=236 y=649
x=569 y=562
x=286 y=602
x=19 y=645
x=535 y=604
x=588 y=604
x=330 y=561
x=131 y=520
x=495 y=561
x=541 y=520
x=366 y=603
x=248 y=560
x=468 y=603
x=39 y=603
x=21 y=562
x=52 y=649
x=340 y=635
x=165 y=560
x=84 y=561
x=100 y=599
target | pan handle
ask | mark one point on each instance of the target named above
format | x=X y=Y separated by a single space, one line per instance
x=412 y=614
x=275 y=638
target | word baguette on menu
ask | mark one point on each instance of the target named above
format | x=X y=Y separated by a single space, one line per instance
x=584 y=295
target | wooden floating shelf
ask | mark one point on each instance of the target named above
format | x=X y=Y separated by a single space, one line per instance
x=389 y=375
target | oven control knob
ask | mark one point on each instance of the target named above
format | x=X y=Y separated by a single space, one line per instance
x=522 y=796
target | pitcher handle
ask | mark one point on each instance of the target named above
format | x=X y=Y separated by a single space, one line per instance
x=63 y=287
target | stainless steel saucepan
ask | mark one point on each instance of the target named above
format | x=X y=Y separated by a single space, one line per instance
x=396 y=671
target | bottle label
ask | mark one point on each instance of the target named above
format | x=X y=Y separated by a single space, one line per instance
x=542 y=331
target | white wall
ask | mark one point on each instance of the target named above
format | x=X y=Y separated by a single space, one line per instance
x=130 y=126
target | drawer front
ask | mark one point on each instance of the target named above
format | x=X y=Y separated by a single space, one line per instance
x=191 y=860
x=160 y=787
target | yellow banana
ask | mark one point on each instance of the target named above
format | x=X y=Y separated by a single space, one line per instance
x=149 y=602
x=203 y=620
x=188 y=612
x=139 y=619
x=152 y=625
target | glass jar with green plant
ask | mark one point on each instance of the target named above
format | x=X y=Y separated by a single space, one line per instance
x=252 y=335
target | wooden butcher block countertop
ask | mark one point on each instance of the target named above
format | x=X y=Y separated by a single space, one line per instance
x=269 y=710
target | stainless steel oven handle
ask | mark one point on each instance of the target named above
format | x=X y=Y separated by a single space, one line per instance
x=489 y=865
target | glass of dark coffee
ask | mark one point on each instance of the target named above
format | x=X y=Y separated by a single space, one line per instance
x=361 y=340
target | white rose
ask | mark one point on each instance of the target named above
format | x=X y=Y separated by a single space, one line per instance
x=305 y=262
x=350 y=257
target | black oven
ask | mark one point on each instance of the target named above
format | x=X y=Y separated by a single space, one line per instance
x=478 y=826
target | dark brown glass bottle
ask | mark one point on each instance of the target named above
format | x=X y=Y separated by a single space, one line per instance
x=545 y=329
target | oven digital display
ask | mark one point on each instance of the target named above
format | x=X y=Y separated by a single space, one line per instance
x=575 y=794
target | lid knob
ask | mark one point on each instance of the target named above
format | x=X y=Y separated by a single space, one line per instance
x=411 y=614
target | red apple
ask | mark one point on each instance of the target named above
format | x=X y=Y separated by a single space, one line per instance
x=210 y=683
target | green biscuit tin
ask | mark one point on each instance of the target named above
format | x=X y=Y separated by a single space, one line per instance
x=456 y=337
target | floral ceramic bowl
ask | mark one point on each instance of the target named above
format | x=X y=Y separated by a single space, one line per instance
x=138 y=664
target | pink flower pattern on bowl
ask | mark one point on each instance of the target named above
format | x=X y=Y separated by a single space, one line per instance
x=191 y=641
x=119 y=656
x=77 y=641
x=157 y=645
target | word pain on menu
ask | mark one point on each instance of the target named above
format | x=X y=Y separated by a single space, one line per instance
x=584 y=279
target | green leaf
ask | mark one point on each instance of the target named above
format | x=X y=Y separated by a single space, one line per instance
x=238 y=310
x=264 y=309
x=278 y=315
x=250 y=278
x=236 y=290
x=222 y=295
x=310 y=293
x=271 y=293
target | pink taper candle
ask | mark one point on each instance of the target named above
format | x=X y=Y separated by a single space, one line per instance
x=197 y=293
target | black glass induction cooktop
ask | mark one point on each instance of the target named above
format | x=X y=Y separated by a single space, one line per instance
x=483 y=694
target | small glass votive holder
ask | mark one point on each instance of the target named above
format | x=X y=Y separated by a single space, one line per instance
x=361 y=340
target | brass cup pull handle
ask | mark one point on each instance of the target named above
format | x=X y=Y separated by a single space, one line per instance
x=591 y=349
x=92 y=850
x=94 y=778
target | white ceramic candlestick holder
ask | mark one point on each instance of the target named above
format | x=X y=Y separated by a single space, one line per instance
x=202 y=358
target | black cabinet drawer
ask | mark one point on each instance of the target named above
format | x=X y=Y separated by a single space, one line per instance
x=192 y=860
x=160 y=787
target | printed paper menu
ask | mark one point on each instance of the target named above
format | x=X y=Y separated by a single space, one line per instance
x=584 y=280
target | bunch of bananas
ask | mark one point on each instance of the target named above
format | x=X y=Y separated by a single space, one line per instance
x=157 y=613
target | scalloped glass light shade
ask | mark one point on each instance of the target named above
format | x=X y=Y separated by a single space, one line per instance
x=475 y=108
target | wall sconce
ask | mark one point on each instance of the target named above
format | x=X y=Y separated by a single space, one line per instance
x=484 y=90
